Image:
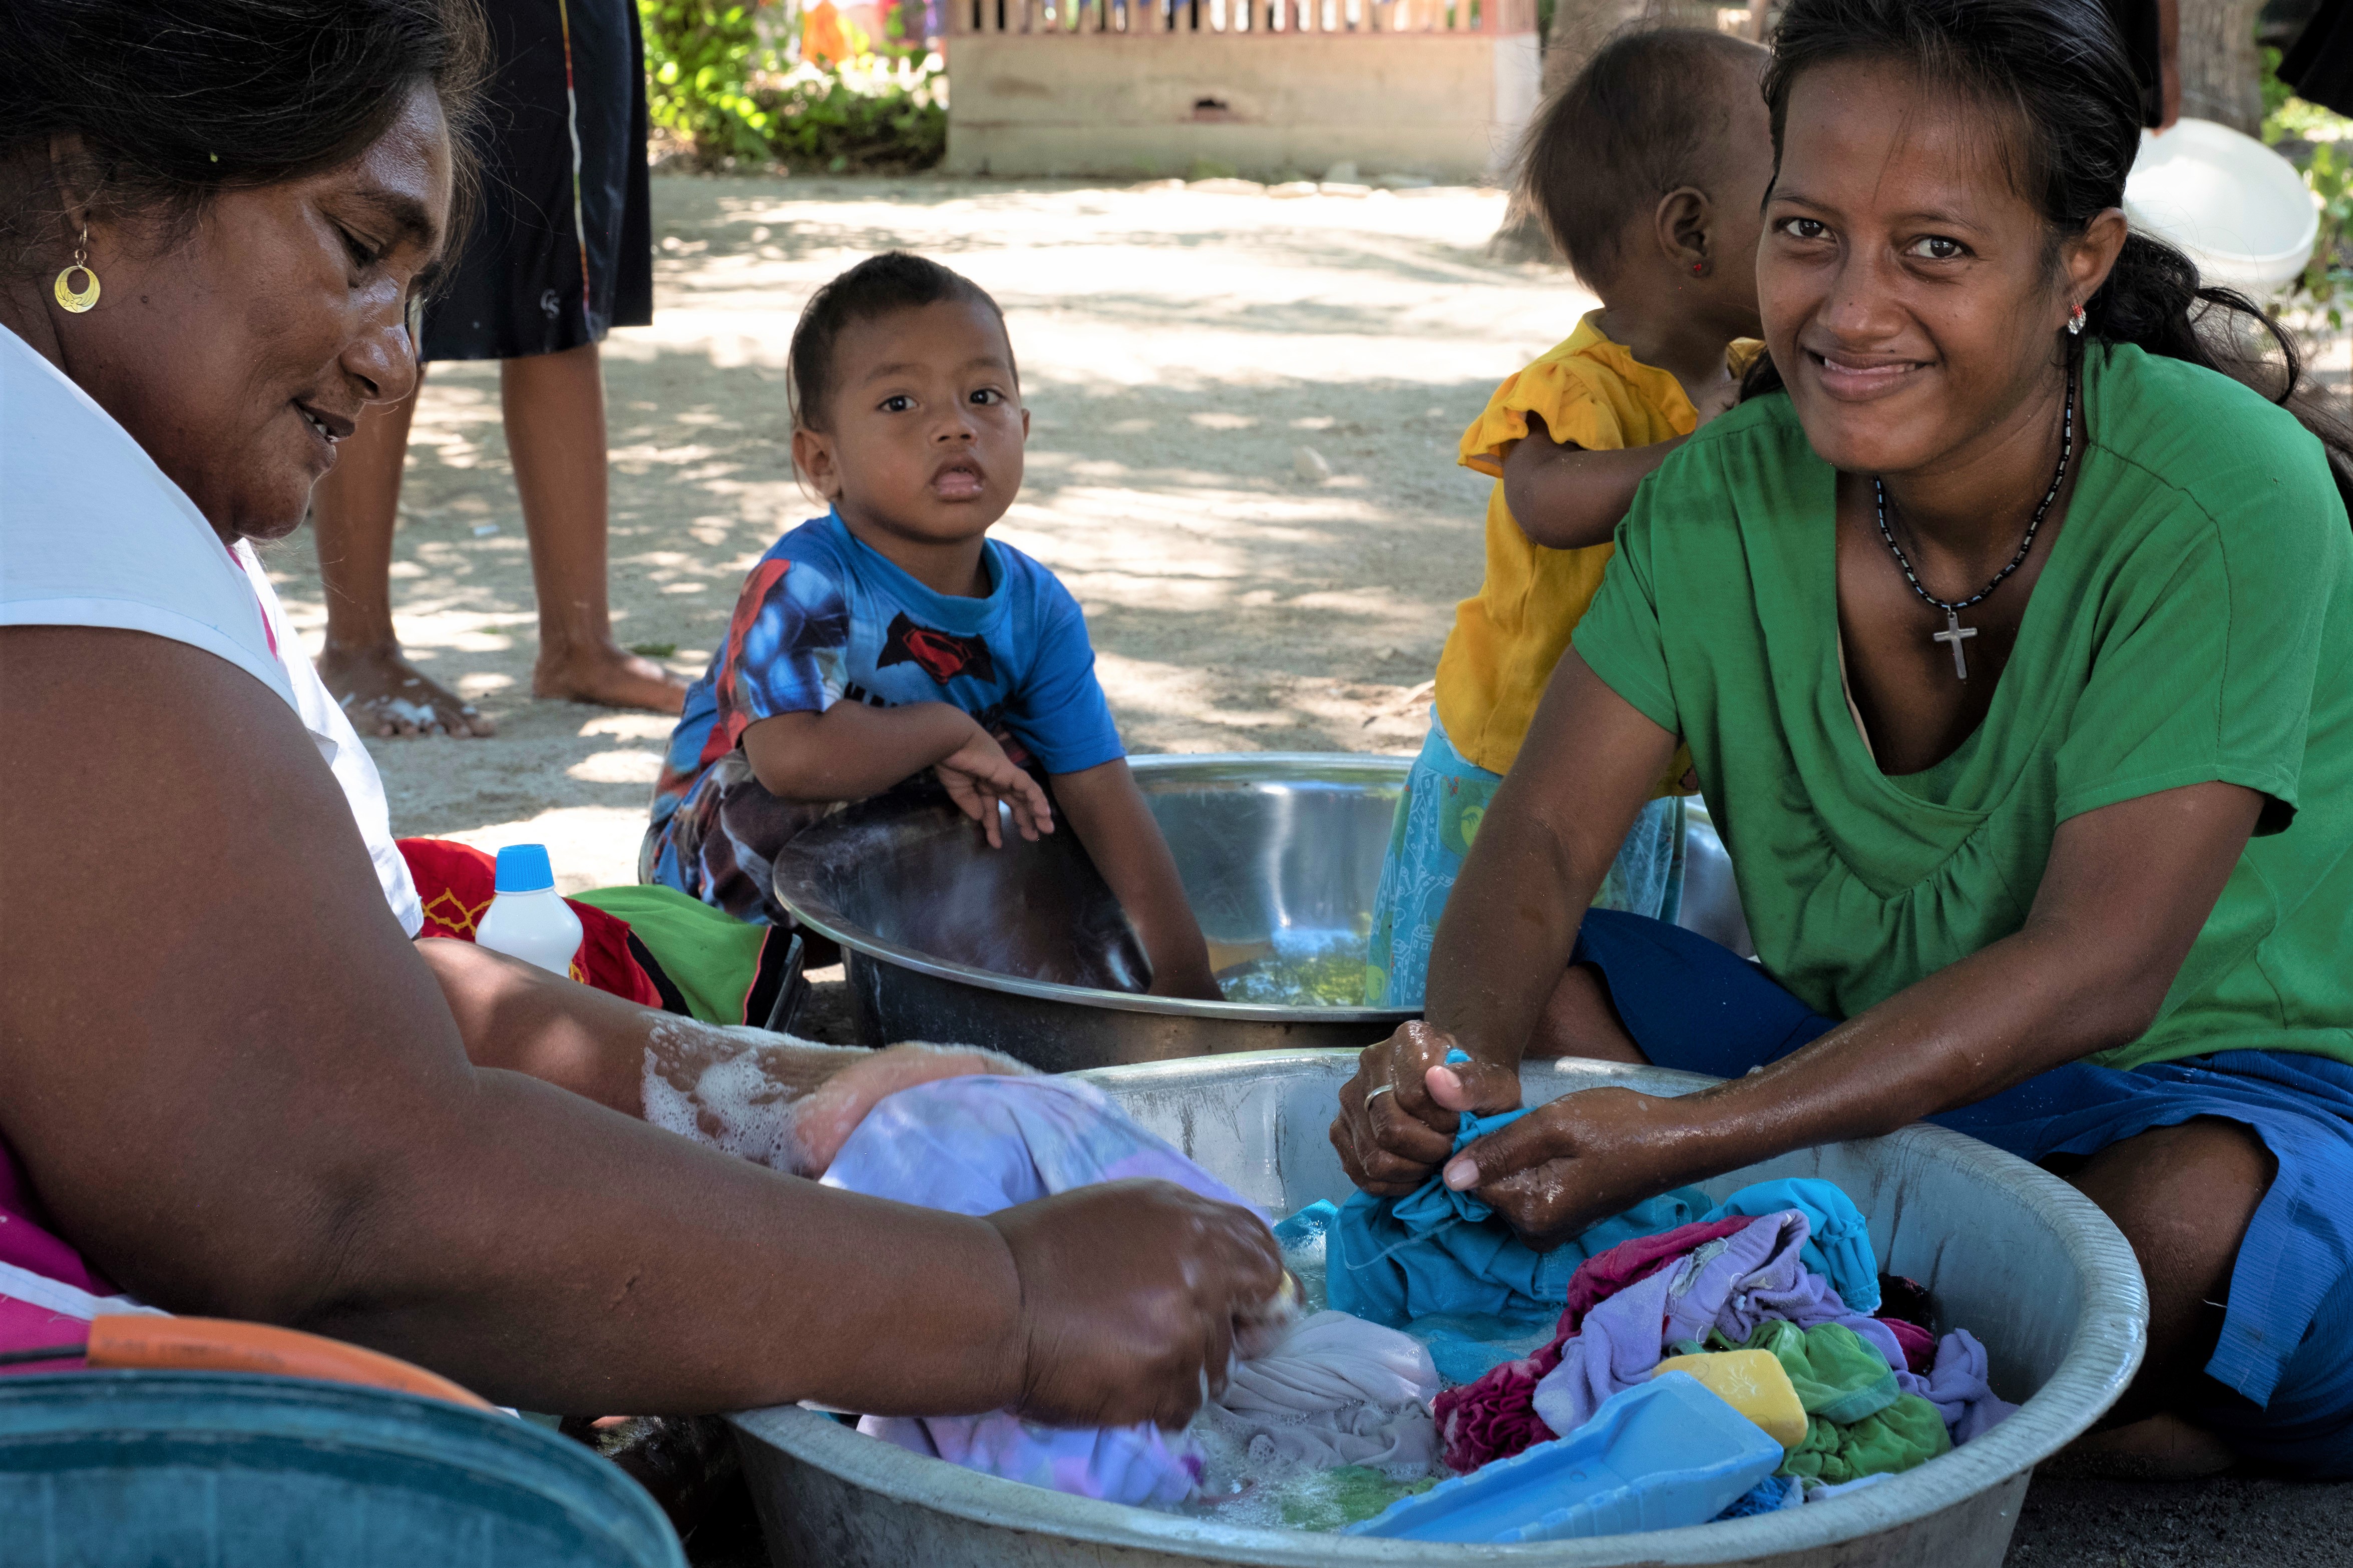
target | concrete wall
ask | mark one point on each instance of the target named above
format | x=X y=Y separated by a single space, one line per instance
x=1447 y=105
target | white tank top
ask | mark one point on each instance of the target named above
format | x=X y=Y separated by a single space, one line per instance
x=93 y=534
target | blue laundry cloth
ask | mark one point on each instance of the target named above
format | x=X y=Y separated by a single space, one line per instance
x=1839 y=1247
x=1465 y=1349
x=1438 y=1252
x=1770 y=1495
x=2286 y=1349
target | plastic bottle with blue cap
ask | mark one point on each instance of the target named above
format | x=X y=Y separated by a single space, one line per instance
x=527 y=918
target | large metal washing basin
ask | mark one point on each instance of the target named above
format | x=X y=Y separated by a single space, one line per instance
x=2014 y=1255
x=1025 y=950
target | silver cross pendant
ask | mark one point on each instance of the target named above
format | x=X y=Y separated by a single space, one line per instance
x=1954 y=633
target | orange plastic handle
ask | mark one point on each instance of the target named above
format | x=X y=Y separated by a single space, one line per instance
x=137 y=1340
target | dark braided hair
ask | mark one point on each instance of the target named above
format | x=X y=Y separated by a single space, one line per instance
x=175 y=100
x=881 y=285
x=2060 y=86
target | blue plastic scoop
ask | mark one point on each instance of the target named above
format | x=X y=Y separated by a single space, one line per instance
x=1657 y=1455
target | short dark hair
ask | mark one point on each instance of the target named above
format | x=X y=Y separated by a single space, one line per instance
x=878 y=286
x=177 y=99
x=1640 y=119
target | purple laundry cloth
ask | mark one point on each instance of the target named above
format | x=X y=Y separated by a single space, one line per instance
x=1134 y=1465
x=1956 y=1386
x=1730 y=1285
x=975 y=1145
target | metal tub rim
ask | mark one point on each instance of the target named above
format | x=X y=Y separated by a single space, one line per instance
x=799 y=892
x=2110 y=1336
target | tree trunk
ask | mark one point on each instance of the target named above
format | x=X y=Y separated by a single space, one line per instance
x=2222 y=74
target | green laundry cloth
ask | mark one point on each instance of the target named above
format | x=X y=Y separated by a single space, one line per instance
x=1838 y=1375
x=1349 y=1494
x=1907 y=1433
x=1857 y=1423
x=709 y=955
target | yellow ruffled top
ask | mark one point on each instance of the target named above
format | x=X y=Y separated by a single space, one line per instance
x=1507 y=637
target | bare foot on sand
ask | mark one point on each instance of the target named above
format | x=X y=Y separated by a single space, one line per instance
x=609 y=674
x=386 y=696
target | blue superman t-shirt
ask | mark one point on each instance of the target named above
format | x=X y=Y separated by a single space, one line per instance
x=824 y=619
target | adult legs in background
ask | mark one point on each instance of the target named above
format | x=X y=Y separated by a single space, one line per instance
x=555 y=410
x=353 y=510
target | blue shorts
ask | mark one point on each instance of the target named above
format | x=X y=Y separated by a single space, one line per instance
x=2286 y=1352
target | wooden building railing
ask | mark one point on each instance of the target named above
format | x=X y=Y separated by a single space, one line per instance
x=1265 y=18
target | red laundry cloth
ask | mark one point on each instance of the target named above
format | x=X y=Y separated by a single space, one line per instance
x=456 y=883
x=1496 y=1417
x=1919 y=1344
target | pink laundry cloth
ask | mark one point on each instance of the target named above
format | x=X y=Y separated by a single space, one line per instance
x=975 y=1145
x=1495 y=1418
x=49 y=1291
x=1919 y=1344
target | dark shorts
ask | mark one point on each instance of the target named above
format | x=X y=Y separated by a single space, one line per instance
x=560 y=247
x=2286 y=1352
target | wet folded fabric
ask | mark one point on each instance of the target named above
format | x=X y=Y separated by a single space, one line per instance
x=1495 y=1418
x=1839 y=1247
x=1438 y=1252
x=1729 y=1285
x=975 y=1145
x=1338 y=1391
x=1859 y=1425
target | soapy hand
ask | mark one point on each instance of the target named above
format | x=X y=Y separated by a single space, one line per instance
x=1131 y=1297
x=1575 y=1161
x=1390 y=1141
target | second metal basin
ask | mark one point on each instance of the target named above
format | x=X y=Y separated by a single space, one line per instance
x=1023 y=949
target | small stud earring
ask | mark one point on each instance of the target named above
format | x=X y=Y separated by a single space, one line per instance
x=1698 y=267
x=78 y=299
x=2075 y=323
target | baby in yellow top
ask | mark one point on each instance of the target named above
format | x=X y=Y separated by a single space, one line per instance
x=1648 y=171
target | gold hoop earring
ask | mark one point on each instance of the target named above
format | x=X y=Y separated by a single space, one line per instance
x=78 y=299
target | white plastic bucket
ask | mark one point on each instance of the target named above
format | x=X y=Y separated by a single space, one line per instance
x=2239 y=209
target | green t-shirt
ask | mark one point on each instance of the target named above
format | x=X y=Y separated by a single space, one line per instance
x=2194 y=622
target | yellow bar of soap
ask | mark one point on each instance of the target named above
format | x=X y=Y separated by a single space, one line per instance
x=1751 y=1381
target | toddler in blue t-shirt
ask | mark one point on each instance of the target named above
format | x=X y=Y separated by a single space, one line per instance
x=892 y=635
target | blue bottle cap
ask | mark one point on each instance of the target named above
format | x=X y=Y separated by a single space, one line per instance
x=524 y=868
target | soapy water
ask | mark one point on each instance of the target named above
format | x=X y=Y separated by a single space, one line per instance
x=1299 y=967
x=1254 y=1489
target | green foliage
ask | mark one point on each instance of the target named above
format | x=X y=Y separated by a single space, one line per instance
x=717 y=85
x=885 y=119
x=2320 y=145
x=700 y=57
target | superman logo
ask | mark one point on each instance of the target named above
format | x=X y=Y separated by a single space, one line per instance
x=943 y=656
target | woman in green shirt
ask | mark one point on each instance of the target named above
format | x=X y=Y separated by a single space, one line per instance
x=2008 y=625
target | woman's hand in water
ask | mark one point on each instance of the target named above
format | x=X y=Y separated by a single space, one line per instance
x=1392 y=1139
x=1130 y=1292
x=979 y=775
x=1578 y=1160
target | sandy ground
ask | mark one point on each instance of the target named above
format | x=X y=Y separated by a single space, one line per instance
x=1177 y=347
